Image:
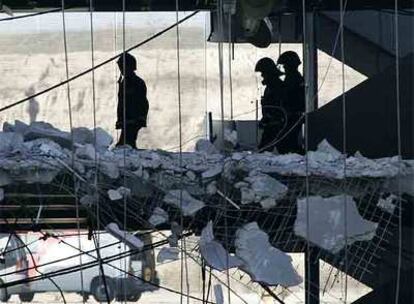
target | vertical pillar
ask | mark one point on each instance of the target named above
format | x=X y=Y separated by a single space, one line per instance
x=310 y=60
x=312 y=284
x=310 y=65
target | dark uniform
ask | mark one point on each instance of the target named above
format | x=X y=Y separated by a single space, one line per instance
x=273 y=118
x=136 y=108
x=293 y=103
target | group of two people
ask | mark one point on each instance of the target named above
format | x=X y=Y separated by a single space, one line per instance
x=283 y=104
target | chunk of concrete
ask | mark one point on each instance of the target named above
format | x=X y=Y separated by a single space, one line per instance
x=327 y=222
x=10 y=141
x=184 y=201
x=86 y=152
x=124 y=236
x=264 y=263
x=103 y=138
x=205 y=146
x=212 y=172
x=159 y=216
x=264 y=185
x=214 y=253
x=114 y=195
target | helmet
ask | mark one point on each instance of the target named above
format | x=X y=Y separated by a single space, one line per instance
x=130 y=61
x=266 y=65
x=289 y=58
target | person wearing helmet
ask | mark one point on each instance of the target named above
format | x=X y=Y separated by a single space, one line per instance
x=133 y=105
x=293 y=102
x=272 y=117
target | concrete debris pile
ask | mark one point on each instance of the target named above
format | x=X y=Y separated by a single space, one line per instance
x=189 y=182
x=38 y=152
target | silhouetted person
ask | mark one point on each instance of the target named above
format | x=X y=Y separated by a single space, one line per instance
x=272 y=118
x=135 y=102
x=293 y=102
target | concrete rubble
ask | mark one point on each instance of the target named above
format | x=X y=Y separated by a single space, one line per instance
x=322 y=221
x=189 y=182
x=184 y=201
x=214 y=253
x=159 y=216
x=263 y=262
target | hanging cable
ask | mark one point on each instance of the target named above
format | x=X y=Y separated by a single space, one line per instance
x=71 y=132
x=96 y=239
x=306 y=135
x=183 y=260
x=28 y=98
x=399 y=148
x=230 y=70
x=344 y=146
x=205 y=78
x=220 y=57
x=124 y=131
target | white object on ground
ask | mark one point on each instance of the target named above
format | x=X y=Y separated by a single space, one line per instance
x=327 y=222
x=168 y=254
x=263 y=262
x=131 y=240
x=184 y=201
x=159 y=216
x=214 y=253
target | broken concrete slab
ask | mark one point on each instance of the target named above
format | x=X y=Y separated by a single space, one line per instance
x=328 y=226
x=214 y=253
x=263 y=262
x=159 y=216
x=184 y=201
x=124 y=236
x=10 y=141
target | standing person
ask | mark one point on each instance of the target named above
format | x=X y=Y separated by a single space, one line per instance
x=272 y=117
x=134 y=108
x=293 y=103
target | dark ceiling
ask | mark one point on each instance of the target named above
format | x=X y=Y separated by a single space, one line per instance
x=188 y=5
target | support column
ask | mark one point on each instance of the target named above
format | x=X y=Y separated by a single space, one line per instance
x=312 y=284
x=310 y=60
x=310 y=66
